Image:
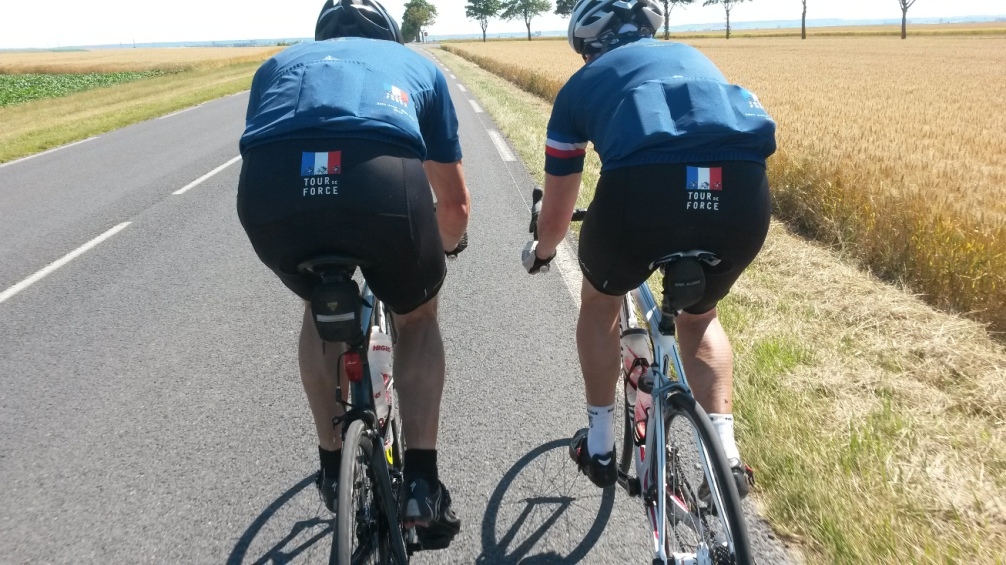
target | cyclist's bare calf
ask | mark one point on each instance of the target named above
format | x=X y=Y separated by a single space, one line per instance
x=708 y=360
x=597 y=342
x=419 y=374
x=319 y=369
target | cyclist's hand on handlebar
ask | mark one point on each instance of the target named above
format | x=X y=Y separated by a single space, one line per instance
x=532 y=264
x=462 y=245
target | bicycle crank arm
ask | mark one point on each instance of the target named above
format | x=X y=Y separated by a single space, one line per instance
x=630 y=484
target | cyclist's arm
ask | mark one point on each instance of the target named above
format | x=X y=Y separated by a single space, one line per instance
x=453 y=200
x=557 y=207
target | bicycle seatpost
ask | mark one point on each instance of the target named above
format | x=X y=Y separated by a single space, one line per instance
x=684 y=286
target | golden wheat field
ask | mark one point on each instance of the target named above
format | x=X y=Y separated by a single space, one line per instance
x=894 y=150
x=119 y=60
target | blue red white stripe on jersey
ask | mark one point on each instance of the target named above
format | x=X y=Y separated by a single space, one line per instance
x=701 y=178
x=327 y=163
x=564 y=150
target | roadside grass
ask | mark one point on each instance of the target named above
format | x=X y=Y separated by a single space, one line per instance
x=876 y=424
x=46 y=123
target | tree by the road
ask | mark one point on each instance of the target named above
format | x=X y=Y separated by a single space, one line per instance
x=418 y=14
x=803 y=24
x=905 y=5
x=481 y=11
x=564 y=7
x=727 y=6
x=668 y=6
x=524 y=10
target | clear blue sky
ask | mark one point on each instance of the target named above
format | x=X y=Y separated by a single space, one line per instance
x=48 y=23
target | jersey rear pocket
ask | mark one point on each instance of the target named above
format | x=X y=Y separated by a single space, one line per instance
x=331 y=89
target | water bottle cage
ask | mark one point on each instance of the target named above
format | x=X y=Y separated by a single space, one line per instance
x=639 y=362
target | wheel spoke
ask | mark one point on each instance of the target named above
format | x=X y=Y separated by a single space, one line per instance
x=696 y=519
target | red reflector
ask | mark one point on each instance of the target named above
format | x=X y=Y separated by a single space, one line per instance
x=354 y=367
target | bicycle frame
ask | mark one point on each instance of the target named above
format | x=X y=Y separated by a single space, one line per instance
x=370 y=317
x=654 y=454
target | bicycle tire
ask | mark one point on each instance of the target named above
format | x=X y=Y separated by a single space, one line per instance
x=395 y=551
x=625 y=457
x=727 y=511
x=356 y=502
x=628 y=440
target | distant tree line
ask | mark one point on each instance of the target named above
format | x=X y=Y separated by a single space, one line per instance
x=420 y=13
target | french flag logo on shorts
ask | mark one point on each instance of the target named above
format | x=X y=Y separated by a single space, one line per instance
x=700 y=178
x=314 y=164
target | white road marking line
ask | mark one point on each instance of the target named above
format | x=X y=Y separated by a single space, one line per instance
x=462 y=88
x=193 y=184
x=60 y=262
x=475 y=106
x=46 y=152
x=501 y=146
x=175 y=113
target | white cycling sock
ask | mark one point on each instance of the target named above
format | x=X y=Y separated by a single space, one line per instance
x=724 y=426
x=600 y=434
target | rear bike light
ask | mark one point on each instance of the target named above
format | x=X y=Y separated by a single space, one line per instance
x=354 y=366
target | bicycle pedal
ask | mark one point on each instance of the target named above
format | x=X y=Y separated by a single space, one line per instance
x=431 y=541
x=632 y=485
x=635 y=487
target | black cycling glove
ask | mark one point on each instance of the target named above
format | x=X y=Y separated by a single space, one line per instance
x=532 y=264
x=462 y=245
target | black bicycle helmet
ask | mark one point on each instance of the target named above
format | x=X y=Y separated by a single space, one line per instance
x=356 y=18
x=597 y=25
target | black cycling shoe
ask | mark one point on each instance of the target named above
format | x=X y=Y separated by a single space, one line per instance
x=600 y=469
x=430 y=512
x=743 y=478
x=328 y=488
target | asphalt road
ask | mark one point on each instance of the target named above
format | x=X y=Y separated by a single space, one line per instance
x=150 y=404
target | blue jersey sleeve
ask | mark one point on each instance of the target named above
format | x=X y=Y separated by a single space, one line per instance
x=439 y=124
x=565 y=146
x=259 y=81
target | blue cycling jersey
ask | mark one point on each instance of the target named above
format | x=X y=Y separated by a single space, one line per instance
x=655 y=102
x=354 y=88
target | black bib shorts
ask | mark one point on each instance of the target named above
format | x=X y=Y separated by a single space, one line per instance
x=303 y=198
x=643 y=213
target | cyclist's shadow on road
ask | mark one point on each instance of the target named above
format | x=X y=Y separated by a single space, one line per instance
x=541 y=513
x=310 y=530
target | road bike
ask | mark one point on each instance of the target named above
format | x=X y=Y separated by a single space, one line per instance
x=680 y=471
x=367 y=527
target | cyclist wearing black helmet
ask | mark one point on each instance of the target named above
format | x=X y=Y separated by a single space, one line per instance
x=344 y=137
x=682 y=168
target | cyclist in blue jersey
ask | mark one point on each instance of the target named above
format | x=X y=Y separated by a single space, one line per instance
x=682 y=167
x=344 y=137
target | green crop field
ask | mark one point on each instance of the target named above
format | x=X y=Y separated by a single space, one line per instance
x=15 y=89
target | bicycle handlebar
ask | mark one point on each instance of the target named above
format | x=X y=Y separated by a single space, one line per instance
x=578 y=214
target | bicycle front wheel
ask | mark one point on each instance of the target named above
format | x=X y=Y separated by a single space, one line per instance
x=358 y=524
x=703 y=510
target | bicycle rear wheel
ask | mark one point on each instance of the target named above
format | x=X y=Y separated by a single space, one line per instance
x=357 y=524
x=623 y=422
x=703 y=514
